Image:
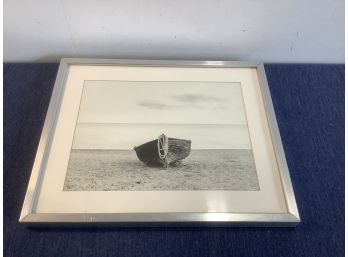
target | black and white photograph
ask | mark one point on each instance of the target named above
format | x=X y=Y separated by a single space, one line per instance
x=165 y=136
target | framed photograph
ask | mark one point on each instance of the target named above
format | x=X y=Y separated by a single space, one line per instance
x=144 y=142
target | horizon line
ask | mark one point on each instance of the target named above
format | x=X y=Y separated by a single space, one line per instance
x=130 y=149
x=143 y=123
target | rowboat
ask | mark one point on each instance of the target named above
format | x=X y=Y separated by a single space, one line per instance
x=163 y=151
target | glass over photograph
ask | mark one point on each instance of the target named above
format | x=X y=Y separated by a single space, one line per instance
x=165 y=136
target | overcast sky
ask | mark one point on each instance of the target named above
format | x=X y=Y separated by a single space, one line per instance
x=120 y=115
x=162 y=102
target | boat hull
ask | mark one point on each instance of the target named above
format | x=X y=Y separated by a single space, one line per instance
x=178 y=149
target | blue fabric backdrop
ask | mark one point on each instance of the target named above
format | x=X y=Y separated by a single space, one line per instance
x=309 y=104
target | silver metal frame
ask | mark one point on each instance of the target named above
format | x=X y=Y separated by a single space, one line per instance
x=30 y=218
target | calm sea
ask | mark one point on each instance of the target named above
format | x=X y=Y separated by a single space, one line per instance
x=126 y=136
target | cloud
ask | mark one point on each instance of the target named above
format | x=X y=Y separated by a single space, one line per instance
x=197 y=98
x=185 y=100
x=153 y=105
x=200 y=101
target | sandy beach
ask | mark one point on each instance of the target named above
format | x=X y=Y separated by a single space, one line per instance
x=120 y=170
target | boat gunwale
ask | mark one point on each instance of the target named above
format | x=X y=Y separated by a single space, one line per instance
x=169 y=138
